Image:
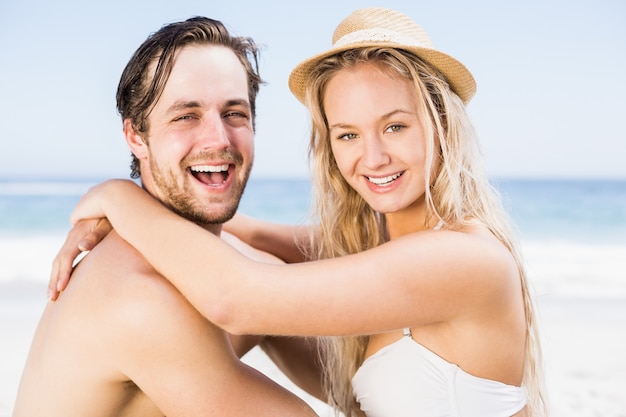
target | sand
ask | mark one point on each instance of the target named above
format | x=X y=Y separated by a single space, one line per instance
x=584 y=342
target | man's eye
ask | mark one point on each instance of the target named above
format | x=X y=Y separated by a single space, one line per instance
x=236 y=114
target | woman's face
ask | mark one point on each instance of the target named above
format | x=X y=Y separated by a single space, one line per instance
x=377 y=137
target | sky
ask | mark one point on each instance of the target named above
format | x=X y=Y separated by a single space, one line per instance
x=551 y=75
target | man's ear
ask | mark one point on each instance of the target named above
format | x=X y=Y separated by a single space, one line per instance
x=135 y=142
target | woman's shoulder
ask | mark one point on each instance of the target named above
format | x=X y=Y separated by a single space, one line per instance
x=469 y=253
x=472 y=235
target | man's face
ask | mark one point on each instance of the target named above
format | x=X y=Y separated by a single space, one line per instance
x=200 y=145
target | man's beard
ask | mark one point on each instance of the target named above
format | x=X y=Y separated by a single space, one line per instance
x=181 y=199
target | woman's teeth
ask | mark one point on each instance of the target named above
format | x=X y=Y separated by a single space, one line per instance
x=384 y=180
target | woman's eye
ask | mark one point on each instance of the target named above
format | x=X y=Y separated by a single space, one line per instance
x=347 y=136
x=395 y=128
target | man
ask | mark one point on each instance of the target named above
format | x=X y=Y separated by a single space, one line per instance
x=122 y=341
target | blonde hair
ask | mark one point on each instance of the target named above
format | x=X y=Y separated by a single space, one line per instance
x=457 y=193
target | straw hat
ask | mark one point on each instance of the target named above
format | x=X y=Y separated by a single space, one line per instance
x=388 y=28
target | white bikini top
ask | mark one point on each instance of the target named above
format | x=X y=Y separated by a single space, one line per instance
x=406 y=379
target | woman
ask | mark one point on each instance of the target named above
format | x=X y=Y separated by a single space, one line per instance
x=415 y=275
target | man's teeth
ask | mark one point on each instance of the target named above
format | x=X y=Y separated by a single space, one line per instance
x=385 y=180
x=210 y=168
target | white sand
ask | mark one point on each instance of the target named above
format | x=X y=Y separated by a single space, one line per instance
x=584 y=343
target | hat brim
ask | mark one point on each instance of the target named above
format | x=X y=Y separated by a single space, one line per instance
x=459 y=78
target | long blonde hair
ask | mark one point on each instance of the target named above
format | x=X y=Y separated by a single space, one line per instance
x=456 y=193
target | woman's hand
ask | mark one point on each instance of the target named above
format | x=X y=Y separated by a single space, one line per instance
x=91 y=205
x=90 y=226
x=85 y=234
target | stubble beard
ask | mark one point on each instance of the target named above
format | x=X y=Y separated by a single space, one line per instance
x=180 y=198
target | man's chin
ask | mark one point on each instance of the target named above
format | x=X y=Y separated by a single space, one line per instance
x=210 y=216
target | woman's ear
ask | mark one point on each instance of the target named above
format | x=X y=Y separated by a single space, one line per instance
x=135 y=141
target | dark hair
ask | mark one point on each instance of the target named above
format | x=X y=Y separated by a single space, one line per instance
x=139 y=90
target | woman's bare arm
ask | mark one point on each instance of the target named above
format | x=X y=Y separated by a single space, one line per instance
x=284 y=241
x=421 y=278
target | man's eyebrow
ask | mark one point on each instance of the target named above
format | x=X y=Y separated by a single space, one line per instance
x=238 y=102
x=183 y=105
x=194 y=104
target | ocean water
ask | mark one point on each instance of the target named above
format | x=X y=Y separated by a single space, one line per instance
x=573 y=231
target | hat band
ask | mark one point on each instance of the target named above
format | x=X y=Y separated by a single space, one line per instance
x=377 y=35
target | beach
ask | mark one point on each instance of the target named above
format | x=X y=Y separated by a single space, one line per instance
x=574 y=248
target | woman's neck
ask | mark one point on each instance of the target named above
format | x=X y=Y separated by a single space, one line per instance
x=409 y=220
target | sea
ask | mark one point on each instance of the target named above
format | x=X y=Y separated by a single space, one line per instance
x=573 y=231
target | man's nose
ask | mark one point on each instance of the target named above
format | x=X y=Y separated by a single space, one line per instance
x=214 y=134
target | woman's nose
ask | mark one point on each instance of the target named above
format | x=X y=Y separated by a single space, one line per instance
x=374 y=153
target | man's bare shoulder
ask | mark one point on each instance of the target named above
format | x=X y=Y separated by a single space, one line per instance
x=77 y=346
x=129 y=293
